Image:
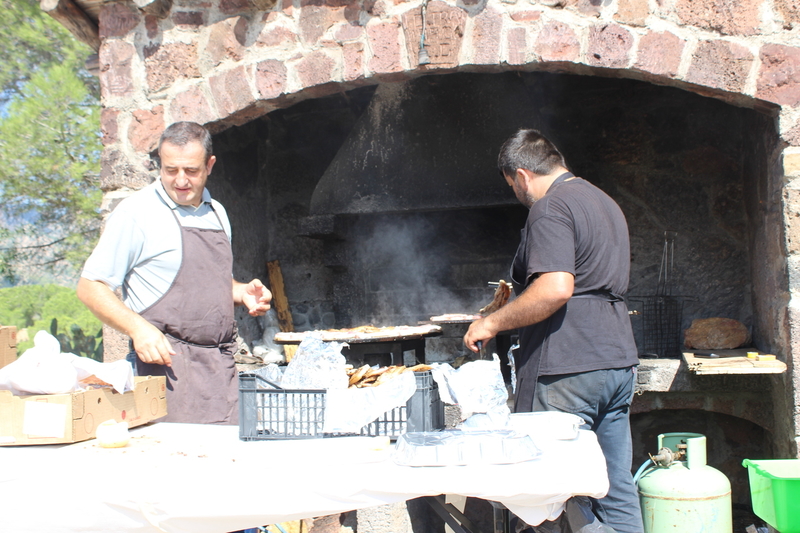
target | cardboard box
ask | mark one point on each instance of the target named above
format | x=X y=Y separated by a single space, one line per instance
x=8 y=345
x=64 y=418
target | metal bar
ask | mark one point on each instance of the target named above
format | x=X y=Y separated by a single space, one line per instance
x=452 y=516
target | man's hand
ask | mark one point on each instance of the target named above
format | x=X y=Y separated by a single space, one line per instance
x=151 y=345
x=546 y=295
x=254 y=295
x=479 y=331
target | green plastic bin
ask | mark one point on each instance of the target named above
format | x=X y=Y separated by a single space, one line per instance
x=775 y=491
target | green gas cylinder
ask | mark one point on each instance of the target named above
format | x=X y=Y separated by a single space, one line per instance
x=679 y=492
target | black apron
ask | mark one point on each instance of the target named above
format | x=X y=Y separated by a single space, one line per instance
x=196 y=315
x=528 y=372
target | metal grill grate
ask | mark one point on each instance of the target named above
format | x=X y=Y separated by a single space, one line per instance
x=662 y=313
x=661 y=320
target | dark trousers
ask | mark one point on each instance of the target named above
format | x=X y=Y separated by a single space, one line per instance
x=602 y=398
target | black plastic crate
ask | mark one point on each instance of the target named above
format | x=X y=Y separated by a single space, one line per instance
x=276 y=413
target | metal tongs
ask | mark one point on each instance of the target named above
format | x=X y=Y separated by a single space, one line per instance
x=481 y=350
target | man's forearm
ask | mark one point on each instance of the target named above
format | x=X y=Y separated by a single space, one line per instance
x=546 y=295
x=105 y=305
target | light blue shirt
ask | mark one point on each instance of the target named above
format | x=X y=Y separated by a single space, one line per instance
x=140 y=249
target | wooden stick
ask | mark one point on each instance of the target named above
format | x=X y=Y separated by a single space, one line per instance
x=279 y=300
x=281 y=304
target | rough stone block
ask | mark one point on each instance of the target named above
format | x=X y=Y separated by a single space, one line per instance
x=729 y=18
x=145 y=128
x=591 y=8
x=658 y=375
x=791 y=163
x=192 y=105
x=225 y=41
x=526 y=16
x=277 y=37
x=721 y=65
x=384 y=42
x=487 y=28
x=348 y=32
x=230 y=7
x=270 y=78
x=609 y=46
x=116 y=172
x=353 y=57
x=188 y=18
x=444 y=33
x=792 y=134
x=315 y=20
x=316 y=68
x=117 y=20
x=151 y=26
x=791 y=212
x=779 y=77
x=517 y=46
x=557 y=42
x=109 y=125
x=116 y=77
x=660 y=53
x=231 y=91
x=716 y=333
x=632 y=12
x=789 y=10
x=171 y=62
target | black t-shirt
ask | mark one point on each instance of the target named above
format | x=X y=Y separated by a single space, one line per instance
x=577 y=228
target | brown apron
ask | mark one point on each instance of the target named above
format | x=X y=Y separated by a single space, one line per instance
x=196 y=315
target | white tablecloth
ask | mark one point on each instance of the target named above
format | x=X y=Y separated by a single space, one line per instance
x=186 y=478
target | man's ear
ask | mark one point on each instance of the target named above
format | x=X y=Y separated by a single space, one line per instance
x=210 y=163
x=523 y=176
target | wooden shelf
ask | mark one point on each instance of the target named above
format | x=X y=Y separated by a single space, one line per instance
x=730 y=362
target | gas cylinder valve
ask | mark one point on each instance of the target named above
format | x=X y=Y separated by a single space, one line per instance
x=666 y=456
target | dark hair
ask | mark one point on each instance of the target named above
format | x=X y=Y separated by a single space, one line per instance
x=530 y=150
x=182 y=133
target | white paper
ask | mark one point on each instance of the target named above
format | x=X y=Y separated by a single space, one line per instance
x=42 y=419
x=348 y=410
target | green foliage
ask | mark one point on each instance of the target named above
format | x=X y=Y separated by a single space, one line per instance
x=78 y=343
x=43 y=307
x=49 y=145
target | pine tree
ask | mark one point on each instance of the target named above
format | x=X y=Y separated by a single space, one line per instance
x=49 y=147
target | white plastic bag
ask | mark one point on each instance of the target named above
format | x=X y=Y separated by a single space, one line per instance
x=476 y=387
x=43 y=369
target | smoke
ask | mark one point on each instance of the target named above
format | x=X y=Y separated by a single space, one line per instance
x=409 y=273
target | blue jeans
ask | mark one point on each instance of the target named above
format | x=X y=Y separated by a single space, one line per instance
x=602 y=398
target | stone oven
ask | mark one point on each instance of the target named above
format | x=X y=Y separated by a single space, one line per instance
x=357 y=139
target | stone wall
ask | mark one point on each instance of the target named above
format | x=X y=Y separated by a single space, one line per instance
x=226 y=63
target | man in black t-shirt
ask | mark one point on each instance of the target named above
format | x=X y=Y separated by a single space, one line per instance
x=577 y=353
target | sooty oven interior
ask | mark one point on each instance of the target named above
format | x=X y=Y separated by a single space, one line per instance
x=384 y=206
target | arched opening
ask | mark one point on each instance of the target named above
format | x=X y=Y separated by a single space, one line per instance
x=325 y=185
